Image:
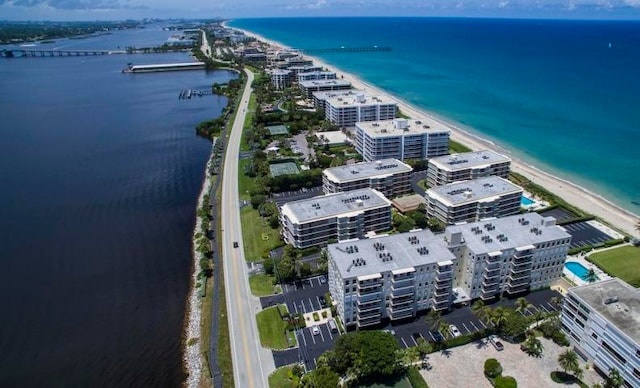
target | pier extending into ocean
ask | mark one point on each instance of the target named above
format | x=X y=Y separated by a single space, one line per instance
x=164 y=67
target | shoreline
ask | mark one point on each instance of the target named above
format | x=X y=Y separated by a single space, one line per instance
x=575 y=194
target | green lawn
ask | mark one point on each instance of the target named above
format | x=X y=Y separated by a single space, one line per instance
x=623 y=262
x=272 y=328
x=280 y=378
x=245 y=183
x=262 y=285
x=456 y=148
x=253 y=227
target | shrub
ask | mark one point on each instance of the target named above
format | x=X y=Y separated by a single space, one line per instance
x=492 y=368
x=505 y=382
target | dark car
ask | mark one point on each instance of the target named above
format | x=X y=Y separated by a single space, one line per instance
x=437 y=337
x=235 y=244
x=323 y=301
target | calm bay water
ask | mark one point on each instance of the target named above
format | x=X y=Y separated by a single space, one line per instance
x=562 y=95
x=100 y=173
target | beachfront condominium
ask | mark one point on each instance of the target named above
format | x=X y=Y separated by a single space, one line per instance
x=316 y=75
x=468 y=165
x=308 y=87
x=391 y=177
x=389 y=278
x=401 y=139
x=304 y=69
x=397 y=276
x=340 y=216
x=602 y=321
x=473 y=200
x=507 y=255
x=280 y=79
x=320 y=98
x=346 y=111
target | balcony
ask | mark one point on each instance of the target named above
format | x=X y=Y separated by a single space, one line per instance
x=368 y=321
x=488 y=294
x=402 y=312
x=518 y=277
x=402 y=300
x=443 y=285
x=444 y=276
x=403 y=282
x=443 y=305
x=370 y=297
x=369 y=314
x=403 y=291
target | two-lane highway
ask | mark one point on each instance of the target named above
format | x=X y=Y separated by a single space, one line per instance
x=251 y=362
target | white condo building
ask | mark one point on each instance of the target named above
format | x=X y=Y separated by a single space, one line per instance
x=280 y=79
x=473 y=200
x=346 y=111
x=390 y=277
x=340 y=216
x=401 y=139
x=320 y=98
x=304 y=69
x=508 y=255
x=391 y=177
x=316 y=75
x=394 y=277
x=464 y=166
x=309 y=87
x=602 y=321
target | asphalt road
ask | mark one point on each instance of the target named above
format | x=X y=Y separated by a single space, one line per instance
x=251 y=363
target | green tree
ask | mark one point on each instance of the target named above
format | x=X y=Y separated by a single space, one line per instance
x=614 y=380
x=590 y=276
x=555 y=303
x=498 y=317
x=492 y=368
x=568 y=361
x=505 y=382
x=515 y=324
x=532 y=346
x=321 y=377
x=522 y=304
x=423 y=347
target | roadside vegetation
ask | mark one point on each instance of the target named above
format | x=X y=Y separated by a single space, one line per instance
x=18 y=32
x=275 y=329
x=263 y=285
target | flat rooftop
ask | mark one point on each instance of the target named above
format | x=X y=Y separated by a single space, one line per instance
x=399 y=251
x=364 y=170
x=474 y=190
x=462 y=161
x=324 y=82
x=324 y=95
x=510 y=232
x=623 y=313
x=386 y=128
x=359 y=99
x=279 y=72
x=332 y=205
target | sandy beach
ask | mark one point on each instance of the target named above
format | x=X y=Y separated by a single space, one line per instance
x=579 y=196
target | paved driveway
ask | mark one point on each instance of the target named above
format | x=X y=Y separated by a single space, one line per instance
x=468 y=363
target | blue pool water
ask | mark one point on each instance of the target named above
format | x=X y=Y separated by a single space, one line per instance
x=577 y=269
x=524 y=201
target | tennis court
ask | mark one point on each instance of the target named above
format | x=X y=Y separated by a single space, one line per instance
x=285 y=168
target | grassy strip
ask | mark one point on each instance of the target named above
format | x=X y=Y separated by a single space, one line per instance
x=415 y=378
x=545 y=194
x=253 y=227
x=245 y=183
x=205 y=330
x=623 y=262
x=280 y=378
x=263 y=285
x=248 y=121
x=272 y=328
x=456 y=148
x=224 y=342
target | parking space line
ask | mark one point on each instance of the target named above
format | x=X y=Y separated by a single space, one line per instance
x=544 y=308
x=303 y=339
x=312 y=337
x=404 y=342
x=319 y=304
x=321 y=335
x=483 y=325
x=474 y=326
x=552 y=307
x=466 y=328
x=311 y=282
x=432 y=337
x=414 y=341
x=330 y=335
x=295 y=308
x=311 y=304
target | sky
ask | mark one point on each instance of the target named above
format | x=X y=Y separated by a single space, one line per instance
x=138 y=9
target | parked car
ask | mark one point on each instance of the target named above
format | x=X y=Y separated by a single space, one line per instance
x=333 y=326
x=323 y=279
x=453 y=329
x=392 y=332
x=323 y=301
x=496 y=343
x=315 y=330
x=437 y=336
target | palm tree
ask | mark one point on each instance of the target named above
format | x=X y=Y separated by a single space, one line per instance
x=498 y=316
x=443 y=327
x=568 y=360
x=614 y=380
x=532 y=346
x=477 y=307
x=590 y=276
x=555 y=303
x=539 y=315
x=522 y=304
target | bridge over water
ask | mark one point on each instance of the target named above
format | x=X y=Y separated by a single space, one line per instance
x=13 y=53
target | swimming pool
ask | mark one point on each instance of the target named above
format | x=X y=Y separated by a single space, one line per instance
x=577 y=269
x=524 y=201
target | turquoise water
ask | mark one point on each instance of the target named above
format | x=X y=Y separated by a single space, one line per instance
x=577 y=269
x=551 y=92
x=524 y=201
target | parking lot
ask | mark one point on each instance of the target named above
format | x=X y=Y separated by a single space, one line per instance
x=582 y=234
x=407 y=333
x=559 y=213
x=288 y=196
x=304 y=297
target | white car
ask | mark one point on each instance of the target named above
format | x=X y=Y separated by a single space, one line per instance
x=315 y=330
x=453 y=329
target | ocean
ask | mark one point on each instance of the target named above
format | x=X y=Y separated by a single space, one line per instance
x=100 y=176
x=562 y=95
